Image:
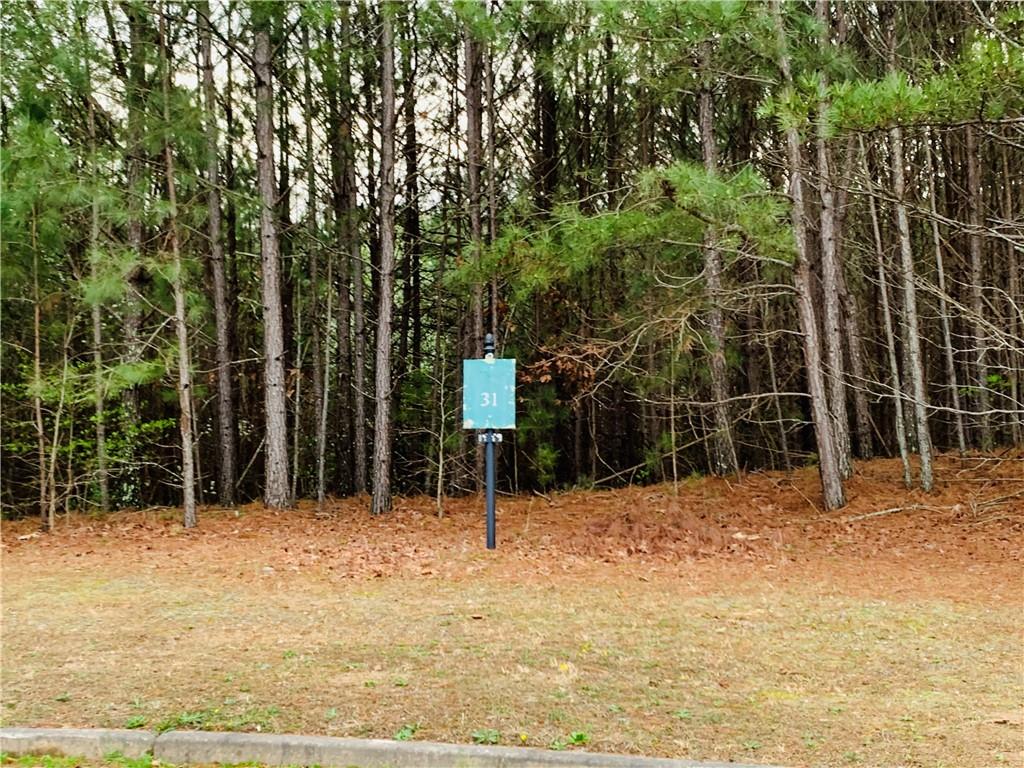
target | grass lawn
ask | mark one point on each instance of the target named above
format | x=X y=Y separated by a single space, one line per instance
x=767 y=632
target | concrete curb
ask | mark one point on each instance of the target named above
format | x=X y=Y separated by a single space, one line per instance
x=205 y=747
x=90 y=743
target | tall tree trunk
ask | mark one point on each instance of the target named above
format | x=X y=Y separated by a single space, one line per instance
x=37 y=370
x=776 y=400
x=1014 y=308
x=228 y=464
x=276 y=491
x=724 y=450
x=370 y=18
x=545 y=97
x=924 y=440
x=947 y=335
x=438 y=370
x=231 y=238
x=890 y=337
x=188 y=481
x=96 y=310
x=313 y=249
x=410 y=209
x=852 y=319
x=338 y=136
x=492 y=186
x=474 y=130
x=613 y=176
x=828 y=460
x=354 y=263
x=136 y=276
x=323 y=402
x=977 y=299
x=830 y=266
x=51 y=472
x=382 y=416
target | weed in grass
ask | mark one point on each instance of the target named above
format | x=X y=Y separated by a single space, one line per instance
x=290 y=654
x=331 y=713
x=406 y=732
x=579 y=738
x=401 y=682
x=47 y=761
x=752 y=745
x=258 y=719
x=120 y=761
x=186 y=720
x=64 y=697
x=135 y=721
x=486 y=736
x=683 y=714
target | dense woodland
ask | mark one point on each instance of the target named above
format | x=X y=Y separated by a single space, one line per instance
x=247 y=245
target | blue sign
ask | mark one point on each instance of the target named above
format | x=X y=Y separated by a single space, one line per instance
x=489 y=393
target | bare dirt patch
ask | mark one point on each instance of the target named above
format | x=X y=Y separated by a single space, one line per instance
x=732 y=620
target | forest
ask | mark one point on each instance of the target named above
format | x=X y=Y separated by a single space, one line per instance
x=246 y=245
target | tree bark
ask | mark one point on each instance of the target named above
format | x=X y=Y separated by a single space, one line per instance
x=492 y=187
x=724 y=450
x=830 y=266
x=947 y=335
x=323 y=404
x=228 y=464
x=828 y=460
x=338 y=132
x=545 y=98
x=852 y=320
x=613 y=174
x=977 y=299
x=135 y=278
x=96 y=310
x=410 y=210
x=188 y=482
x=382 y=416
x=1014 y=307
x=474 y=150
x=355 y=387
x=924 y=440
x=276 y=491
x=890 y=337
x=37 y=371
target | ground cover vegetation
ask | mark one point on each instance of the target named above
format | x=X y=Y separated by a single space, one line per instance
x=726 y=621
x=246 y=245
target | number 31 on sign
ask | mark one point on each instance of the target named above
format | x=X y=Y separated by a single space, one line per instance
x=489 y=393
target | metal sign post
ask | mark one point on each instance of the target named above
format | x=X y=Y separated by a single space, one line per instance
x=489 y=404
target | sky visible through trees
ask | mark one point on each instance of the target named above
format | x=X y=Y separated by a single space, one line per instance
x=245 y=246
